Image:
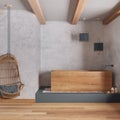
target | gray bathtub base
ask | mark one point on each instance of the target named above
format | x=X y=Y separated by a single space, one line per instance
x=76 y=97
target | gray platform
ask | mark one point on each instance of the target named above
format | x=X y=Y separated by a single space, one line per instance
x=76 y=97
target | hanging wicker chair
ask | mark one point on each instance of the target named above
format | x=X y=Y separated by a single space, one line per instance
x=10 y=83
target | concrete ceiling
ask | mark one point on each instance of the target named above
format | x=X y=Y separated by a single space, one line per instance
x=55 y=9
x=16 y=4
x=61 y=10
x=98 y=8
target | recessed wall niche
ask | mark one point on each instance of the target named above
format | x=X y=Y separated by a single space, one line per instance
x=84 y=37
x=98 y=46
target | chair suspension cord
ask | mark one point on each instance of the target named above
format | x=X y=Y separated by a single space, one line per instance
x=8 y=30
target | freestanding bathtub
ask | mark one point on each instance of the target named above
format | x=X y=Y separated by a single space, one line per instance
x=78 y=86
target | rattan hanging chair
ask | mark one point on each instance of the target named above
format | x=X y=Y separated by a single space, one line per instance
x=10 y=82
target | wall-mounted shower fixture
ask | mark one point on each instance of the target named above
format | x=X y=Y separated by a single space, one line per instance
x=109 y=65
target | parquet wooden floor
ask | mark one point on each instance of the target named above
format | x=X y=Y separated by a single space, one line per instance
x=29 y=110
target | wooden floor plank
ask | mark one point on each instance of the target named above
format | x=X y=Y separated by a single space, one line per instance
x=17 y=100
x=25 y=110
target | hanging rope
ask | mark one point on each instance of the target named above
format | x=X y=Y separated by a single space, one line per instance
x=8 y=29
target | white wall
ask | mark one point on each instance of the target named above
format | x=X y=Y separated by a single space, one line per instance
x=112 y=37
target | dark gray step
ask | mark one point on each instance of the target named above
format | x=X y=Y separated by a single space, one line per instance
x=76 y=97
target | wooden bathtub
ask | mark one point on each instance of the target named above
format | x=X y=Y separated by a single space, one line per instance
x=98 y=81
x=78 y=86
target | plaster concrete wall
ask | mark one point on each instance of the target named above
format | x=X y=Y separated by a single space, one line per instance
x=112 y=37
x=25 y=37
x=62 y=50
x=56 y=46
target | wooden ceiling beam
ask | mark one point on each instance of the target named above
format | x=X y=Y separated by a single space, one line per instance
x=35 y=5
x=113 y=15
x=78 y=10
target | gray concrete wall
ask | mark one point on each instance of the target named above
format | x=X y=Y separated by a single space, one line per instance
x=62 y=50
x=25 y=37
x=112 y=37
x=56 y=46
